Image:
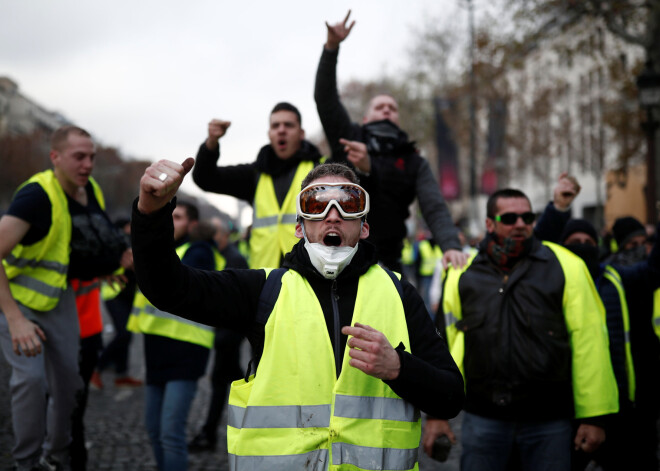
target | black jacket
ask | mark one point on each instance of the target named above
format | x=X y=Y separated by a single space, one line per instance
x=640 y=281
x=398 y=173
x=240 y=181
x=429 y=378
x=517 y=359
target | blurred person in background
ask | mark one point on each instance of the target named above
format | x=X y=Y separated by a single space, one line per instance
x=227 y=344
x=176 y=351
x=118 y=301
x=54 y=231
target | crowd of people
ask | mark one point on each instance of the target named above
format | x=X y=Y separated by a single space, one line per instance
x=543 y=334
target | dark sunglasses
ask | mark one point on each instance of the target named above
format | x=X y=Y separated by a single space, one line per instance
x=511 y=218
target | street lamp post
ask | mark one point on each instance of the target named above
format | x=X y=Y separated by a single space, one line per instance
x=473 y=124
x=648 y=84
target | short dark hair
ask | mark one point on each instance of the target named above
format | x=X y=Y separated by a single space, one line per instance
x=491 y=205
x=327 y=170
x=61 y=134
x=191 y=210
x=285 y=106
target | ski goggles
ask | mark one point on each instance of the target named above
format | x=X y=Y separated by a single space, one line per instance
x=314 y=201
x=509 y=219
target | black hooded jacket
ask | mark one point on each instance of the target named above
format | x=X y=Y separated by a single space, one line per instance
x=429 y=378
x=398 y=176
x=241 y=181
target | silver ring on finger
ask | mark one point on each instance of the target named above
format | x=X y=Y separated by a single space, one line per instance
x=162 y=177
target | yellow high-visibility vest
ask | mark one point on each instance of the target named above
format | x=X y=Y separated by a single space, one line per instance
x=613 y=276
x=37 y=273
x=594 y=387
x=429 y=255
x=407 y=253
x=273 y=228
x=296 y=414
x=656 y=312
x=148 y=319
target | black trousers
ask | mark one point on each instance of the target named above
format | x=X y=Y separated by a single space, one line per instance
x=90 y=348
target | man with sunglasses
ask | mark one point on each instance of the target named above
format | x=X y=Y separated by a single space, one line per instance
x=525 y=321
x=379 y=149
x=347 y=354
x=269 y=184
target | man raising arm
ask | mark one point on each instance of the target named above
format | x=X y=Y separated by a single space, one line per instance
x=379 y=148
x=317 y=345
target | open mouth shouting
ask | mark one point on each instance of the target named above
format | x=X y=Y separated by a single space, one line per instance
x=332 y=239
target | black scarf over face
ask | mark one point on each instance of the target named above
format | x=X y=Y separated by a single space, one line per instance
x=630 y=256
x=384 y=137
x=505 y=253
x=590 y=255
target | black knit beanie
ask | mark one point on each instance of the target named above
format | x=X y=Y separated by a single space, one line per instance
x=578 y=225
x=625 y=229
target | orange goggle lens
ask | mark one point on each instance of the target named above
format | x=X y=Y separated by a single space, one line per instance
x=351 y=200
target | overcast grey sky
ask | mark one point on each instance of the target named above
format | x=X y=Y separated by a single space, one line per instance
x=147 y=76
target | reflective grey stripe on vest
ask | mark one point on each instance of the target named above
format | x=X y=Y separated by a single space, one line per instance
x=273 y=220
x=149 y=309
x=450 y=319
x=373 y=458
x=87 y=289
x=264 y=222
x=278 y=416
x=315 y=460
x=382 y=408
x=27 y=262
x=37 y=286
x=289 y=219
x=656 y=321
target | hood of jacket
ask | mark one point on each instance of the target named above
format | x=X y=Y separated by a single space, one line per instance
x=384 y=137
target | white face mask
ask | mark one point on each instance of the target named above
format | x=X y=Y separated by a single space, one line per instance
x=329 y=261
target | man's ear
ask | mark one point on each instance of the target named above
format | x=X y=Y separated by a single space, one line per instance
x=54 y=155
x=364 y=230
x=192 y=227
x=490 y=225
x=299 y=232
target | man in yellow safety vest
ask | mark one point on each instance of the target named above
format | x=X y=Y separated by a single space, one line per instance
x=38 y=308
x=269 y=184
x=347 y=354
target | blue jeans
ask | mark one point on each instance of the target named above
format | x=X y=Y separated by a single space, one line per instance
x=497 y=445
x=166 y=413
